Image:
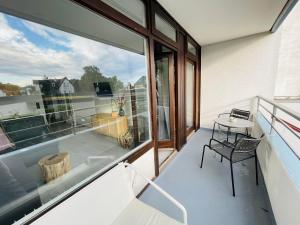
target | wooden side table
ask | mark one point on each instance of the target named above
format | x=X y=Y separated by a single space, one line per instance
x=54 y=166
x=110 y=126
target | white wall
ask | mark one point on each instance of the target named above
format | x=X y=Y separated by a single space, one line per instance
x=66 y=87
x=145 y=165
x=288 y=76
x=280 y=181
x=233 y=72
x=21 y=105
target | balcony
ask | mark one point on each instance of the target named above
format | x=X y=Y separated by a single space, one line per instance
x=206 y=192
x=101 y=98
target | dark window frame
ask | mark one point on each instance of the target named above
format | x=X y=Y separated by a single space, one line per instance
x=101 y=8
x=189 y=54
x=156 y=9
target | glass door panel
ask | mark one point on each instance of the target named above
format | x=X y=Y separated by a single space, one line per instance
x=190 y=94
x=164 y=72
x=163 y=98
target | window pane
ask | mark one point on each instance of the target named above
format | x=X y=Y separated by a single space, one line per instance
x=189 y=94
x=73 y=99
x=133 y=9
x=164 y=27
x=163 y=98
x=192 y=49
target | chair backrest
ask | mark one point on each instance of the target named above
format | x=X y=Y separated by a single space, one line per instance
x=245 y=145
x=100 y=202
x=241 y=114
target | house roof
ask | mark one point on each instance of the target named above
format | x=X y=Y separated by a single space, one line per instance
x=50 y=87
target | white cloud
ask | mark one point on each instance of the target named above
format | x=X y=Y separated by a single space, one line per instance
x=49 y=33
x=21 y=60
x=7 y=34
x=25 y=60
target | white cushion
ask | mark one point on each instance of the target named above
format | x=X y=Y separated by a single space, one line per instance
x=138 y=213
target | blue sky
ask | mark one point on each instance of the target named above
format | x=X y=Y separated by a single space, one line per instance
x=29 y=51
x=37 y=39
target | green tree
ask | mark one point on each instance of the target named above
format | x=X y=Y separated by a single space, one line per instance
x=93 y=75
x=90 y=76
x=76 y=85
x=115 y=83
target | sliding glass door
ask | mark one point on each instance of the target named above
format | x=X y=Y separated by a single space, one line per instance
x=190 y=96
x=164 y=68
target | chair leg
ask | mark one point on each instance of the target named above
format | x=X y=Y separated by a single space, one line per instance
x=221 y=158
x=213 y=131
x=256 y=169
x=227 y=136
x=232 y=179
x=203 y=155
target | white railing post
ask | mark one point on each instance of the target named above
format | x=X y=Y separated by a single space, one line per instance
x=257 y=104
x=273 y=118
x=74 y=121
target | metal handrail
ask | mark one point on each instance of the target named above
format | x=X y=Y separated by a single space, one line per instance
x=282 y=108
x=287 y=97
x=280 y=121
x=66 y=129
x=274 y=118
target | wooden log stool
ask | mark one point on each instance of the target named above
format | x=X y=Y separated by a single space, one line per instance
x=54 y=166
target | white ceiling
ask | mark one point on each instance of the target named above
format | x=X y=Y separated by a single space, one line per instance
x=211 y=21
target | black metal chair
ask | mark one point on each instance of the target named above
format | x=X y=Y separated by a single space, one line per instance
x=238 y=113
x=241 y=114
x=243 y=149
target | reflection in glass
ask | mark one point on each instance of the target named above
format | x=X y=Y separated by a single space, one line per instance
x=165 y=27
x=189 y=93
x=67 y=103
x=163 y=98
x=133 y=9
x=191 y=48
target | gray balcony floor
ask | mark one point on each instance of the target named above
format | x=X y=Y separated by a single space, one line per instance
x=206 y=193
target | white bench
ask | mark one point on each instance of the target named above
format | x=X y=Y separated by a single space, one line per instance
x=110 y=200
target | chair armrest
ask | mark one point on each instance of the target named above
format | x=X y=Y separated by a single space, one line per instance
x=222 y=114
x=160 y=190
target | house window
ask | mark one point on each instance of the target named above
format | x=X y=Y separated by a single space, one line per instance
x=133 y=9
x=87 y=77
